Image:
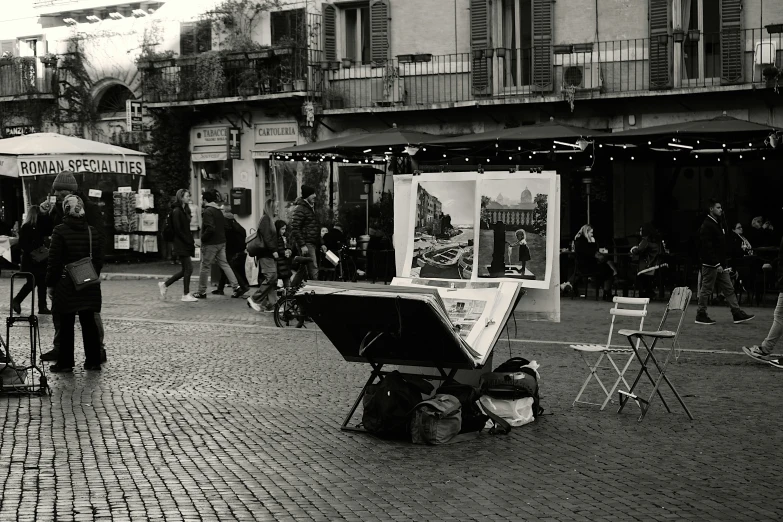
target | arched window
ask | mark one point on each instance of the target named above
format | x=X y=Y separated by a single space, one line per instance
x=114 y=98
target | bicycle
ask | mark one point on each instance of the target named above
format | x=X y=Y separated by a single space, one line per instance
x=287 y=309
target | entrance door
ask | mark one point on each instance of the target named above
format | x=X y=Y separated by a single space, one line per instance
x=702 y=58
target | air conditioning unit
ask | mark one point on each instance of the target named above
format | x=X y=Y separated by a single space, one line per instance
x=586 y=76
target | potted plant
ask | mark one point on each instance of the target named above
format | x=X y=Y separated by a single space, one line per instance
x=489 y=53
x=49 y=60
x=775 y=28
x=334 y=65
x=285 y=46
x=771 y=75
x=210 y=76
x=501 y=52
x=6 y=59
x=405 y=58
x=335 y=97
x=422 y=57
x=324 y=66
x=679 y=36
x=286 y=76
x=300 y=85
x=694 y=35
x=259 y=54
x=347 y=63
x=247 y=83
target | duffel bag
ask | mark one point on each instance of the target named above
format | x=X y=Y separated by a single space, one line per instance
x=388 y=404
x=436 y=420
x=473 y=419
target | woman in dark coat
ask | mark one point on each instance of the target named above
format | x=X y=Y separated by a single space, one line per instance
x=184 y=246
x=73 y=240
x=32 y=236
x=649 y=251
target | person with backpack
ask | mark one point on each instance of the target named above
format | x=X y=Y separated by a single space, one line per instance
x=267 y=261
x=177 y=228
x=235 y=252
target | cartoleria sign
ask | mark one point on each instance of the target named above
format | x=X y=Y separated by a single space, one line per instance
x=54 y=164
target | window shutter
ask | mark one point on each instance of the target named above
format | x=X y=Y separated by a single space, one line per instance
x=330 y=32
x=479 y=41
x=187 y=38
x=730 y=41
x=8 y=46
x=379 y=31
x=542 y=45
x=660 y=51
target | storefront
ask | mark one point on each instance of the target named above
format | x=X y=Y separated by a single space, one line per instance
x=212 y=166
x=277 y=182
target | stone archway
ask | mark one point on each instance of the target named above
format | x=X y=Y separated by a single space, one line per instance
x=110 y=96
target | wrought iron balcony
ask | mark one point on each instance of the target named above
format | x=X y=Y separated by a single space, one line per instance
x=21 y=76
x=217 y=76
x=686 y=61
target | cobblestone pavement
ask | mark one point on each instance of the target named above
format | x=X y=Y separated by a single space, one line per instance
x=206 y=412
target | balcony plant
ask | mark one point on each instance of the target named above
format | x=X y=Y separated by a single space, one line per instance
x=49 y=60
x=347 y=63
x=236 y=22
x=209 y=75
x=247 y=82
x=285 y=46
x=501 y=52
x=772 y=76
x=300 y=85
x=422 y=57
x=286 y=76
x=6 y=59
x=148 y=57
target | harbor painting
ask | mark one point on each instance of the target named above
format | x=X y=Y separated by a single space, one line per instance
x=443 y=219
x=515 y=228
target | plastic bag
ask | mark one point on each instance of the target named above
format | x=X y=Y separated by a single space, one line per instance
x=251 y=270
x=516 y=412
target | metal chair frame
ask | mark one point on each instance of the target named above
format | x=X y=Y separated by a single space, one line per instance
x=679 y=301
x=606 y=351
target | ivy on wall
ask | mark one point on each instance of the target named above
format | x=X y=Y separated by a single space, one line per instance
x=169 y=154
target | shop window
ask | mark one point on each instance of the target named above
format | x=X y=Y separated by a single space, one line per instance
x=195 y=37
x=288 y=25
x=352 y=187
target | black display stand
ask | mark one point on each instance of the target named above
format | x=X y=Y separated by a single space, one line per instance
x=390 y=329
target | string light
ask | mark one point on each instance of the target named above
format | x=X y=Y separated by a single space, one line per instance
x=570 y=157
x=631 y=158
x=611 y=158
x=625 y=146
x=740 y=156
x=600 y=145
x=650 y=143
x=697 y=156
x=530 y=156
x=764 y=158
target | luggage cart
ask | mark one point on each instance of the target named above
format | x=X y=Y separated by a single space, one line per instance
x=29 y=376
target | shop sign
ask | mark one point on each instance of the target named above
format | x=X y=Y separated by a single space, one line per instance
x=276 y=132
x=19 y=130
x=206 y=136
x=133 y=115
x=93 y=163
x=234 y=151
x=209 y=156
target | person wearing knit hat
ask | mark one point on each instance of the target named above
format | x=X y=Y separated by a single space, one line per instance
x=305 y=229
x=65 y=181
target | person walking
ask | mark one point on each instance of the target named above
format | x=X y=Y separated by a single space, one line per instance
x=305 y=230
x=763 y=352
x=65 y=185
x=284 y=253
x=235 y=253
x=32 y=236
x=73 y=240
x=213 y=246
x=267 y=271
x=183 y=246
x=713 y=256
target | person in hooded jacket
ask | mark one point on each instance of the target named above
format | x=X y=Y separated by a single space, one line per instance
x=183 y=246
x=305 y=230
x=72 y=240
x=235 y=253
x=65 y=185
x=267 y=261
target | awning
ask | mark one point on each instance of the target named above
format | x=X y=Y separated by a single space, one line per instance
x=265 y=150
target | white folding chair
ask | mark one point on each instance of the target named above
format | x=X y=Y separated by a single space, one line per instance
x=634 y=307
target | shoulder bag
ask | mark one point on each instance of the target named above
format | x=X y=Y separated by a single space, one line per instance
x=82 y=272
x=254 y=243
x=40 y=254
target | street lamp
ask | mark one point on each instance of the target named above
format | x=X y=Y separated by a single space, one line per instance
x=587 y=182
x=368 y=178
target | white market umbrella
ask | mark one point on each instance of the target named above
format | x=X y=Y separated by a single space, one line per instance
x=49 y=153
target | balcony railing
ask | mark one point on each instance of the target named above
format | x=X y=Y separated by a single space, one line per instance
x=685 y=60
x=225 y=75
x=26 y=76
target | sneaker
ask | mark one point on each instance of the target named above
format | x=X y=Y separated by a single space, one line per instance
x=217 y=292
x=703 y=319
x=252 y=304
x=777 y=363
x=240 y=291
x=58 y=368
x=162 y=287
x=51 y=355
x=187 y=298
x=268 y=308
x=199 y=295
x=742 y=317
x=755 y=352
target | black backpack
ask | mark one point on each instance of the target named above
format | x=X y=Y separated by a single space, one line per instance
x=235 y=236
x=389 y=403
x=501 y=383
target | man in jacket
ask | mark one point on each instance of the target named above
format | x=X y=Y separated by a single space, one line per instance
x=713 y=258
x=213 y=246
x=235 y=252
x=305 y=230
x=64 y=185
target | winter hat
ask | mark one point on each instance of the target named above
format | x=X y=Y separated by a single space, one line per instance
x=73 y=206
x=65 y=181
x=307 y=191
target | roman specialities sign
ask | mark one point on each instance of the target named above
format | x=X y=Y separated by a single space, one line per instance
x=42 y=165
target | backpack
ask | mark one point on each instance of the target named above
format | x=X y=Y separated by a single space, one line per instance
x=436 y=420
x=168 y=227
x=473 y=419
x=235 y=236
x=512 y=380
x=388 y=404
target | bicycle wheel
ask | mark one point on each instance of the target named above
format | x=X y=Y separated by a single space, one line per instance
x=287 y=312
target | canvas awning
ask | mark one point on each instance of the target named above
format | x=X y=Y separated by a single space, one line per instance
x=48 y=153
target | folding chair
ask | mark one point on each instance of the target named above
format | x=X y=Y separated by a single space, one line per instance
x=678 y=302
x=607 y=351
